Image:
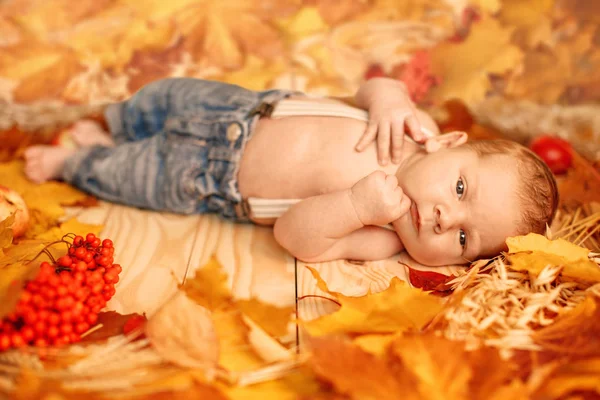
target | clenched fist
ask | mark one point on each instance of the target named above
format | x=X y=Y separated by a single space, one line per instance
x=378 y=200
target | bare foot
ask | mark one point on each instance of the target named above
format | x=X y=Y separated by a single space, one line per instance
x=89 y=133
x=43 y=163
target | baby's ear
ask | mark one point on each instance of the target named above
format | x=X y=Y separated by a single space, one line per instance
x=446 y=141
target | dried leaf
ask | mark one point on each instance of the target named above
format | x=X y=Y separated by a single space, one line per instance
x=376 y=344
x=274 y=320
x=209 y=286
x=577 y=376
x=72 y=225
x=575 y=332
x=6 y=233
x=183 y=333
x=112 y=325
x=47 y=197
x=356 y=373
x=465 y=67
x=439 y=365
x=429 y=280
x=534 y=252
x=398 y=308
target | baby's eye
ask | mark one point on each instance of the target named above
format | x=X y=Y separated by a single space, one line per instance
x=460 y=187
x=462 y=238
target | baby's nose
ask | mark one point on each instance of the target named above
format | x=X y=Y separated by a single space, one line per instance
x=445 y=219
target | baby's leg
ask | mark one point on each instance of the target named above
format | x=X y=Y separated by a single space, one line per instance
x=44 y=163
x=89 y=133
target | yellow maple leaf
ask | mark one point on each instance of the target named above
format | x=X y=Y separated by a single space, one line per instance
x=532 y=20
x=376 y=344
x=72 y=225
x=307 y=21
x=396 y=309
x=256 y=74
x=272 y=319
x=6 y=232
x=440 y=366
x=465 y=67
x=489 y=6
x=223 y=33
x=356 y=373
x=209 y=286
x=47 y=197
x=534 y=252
x=576 y=376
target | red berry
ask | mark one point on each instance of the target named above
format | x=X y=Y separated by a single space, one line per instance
x=92 y=264
x=89 y=256
x=107 y=243
x=17 y=340
x=30 y=318
x=4 y=342
x=43 y=315
x=106 y=252
x=80 y=253
x=95 y=243
x=97 y=288
x=62 y=290
x=74 y=337
x=54 y=280
x=71 y=251
x=82 y=327
x=52 y=332
x=40 y=342
x=133 y=323
x=40 y=328
x=64 y=261
x=117 y=268
x=28 y=334
x=77 y=241
x=66 y=329
x=107 y=296
x=53 y=319
x=90 y=237
x=103 y=261
x=91 y=318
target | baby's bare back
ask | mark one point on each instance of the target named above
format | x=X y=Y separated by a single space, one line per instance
x=299 y=157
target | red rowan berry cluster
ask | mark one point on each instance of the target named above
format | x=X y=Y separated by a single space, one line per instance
x=64 y=298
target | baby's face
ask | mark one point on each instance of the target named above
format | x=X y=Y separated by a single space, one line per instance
x=463 y=206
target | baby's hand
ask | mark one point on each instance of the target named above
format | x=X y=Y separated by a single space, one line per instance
x=378 y=200
x=387 y=121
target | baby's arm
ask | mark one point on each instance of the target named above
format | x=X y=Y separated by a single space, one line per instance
x=343 y=224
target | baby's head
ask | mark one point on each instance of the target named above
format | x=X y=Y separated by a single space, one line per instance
x=467 y=200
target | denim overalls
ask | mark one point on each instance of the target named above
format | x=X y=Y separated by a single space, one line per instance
x=179 y=142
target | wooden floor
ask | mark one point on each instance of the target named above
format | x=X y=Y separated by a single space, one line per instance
x=158 y=251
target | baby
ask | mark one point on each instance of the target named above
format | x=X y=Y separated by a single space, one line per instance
x=336 y=182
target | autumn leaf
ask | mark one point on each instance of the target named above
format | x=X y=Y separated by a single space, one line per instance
x=439 y=365
x=465 y=67
x=112 y=324
x=47 y=197
x=209 y=286
x=274 y=320
x=398 y=308
x=6 y=232
x=574 y=377
x=356 y=373
x=72 y=225
x=575 y=332
x=532 y=20
x=254 y=74
x=376 y=344
x=183 y=333
x=222 y=34
x=429 y=280
x=534 y=252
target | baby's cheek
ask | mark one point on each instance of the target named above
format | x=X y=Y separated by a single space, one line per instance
x=430 y=251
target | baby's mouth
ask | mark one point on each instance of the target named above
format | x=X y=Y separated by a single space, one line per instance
x=414 y=213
